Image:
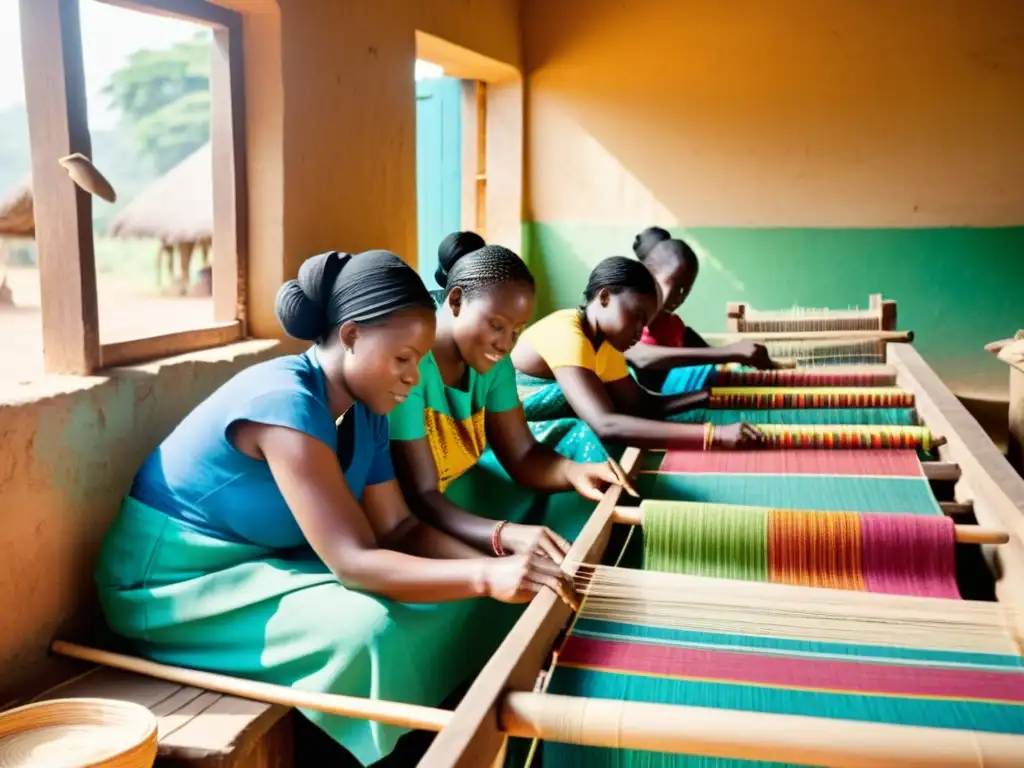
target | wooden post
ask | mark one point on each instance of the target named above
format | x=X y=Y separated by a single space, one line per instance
x=51 y=45
x=230 y=191
x=1015 y=448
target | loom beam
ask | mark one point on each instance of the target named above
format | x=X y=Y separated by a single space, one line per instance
x=739 y=735
x=941 y=471
x=830 y=336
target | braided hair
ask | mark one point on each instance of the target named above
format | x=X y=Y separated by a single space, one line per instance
x=452 y=248
x=618 y=274
x=483 y=268
x=647 y=239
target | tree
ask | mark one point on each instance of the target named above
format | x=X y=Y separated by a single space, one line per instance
x=164 y=99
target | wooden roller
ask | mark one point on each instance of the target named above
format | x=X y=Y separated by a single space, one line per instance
x=895 y=336
x=760 y=736
x=945 y=471
x=965 y=534
x=411 y=716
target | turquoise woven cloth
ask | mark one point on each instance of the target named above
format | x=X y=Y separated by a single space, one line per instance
x=691 y=378
x=830 y=702
x=815 y=492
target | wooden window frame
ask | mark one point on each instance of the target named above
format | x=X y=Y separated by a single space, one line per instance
x=55 y=97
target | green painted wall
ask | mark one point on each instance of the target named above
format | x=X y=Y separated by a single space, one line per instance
x=956 y=288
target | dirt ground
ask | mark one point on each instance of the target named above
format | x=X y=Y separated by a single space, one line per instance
x=126 y=312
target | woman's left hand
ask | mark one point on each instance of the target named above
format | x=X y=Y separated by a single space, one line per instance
x=527 y=539
x=590 y=480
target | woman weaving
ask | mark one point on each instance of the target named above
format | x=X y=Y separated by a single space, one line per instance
x=575 y=357
x=267 y=537
x=467 y=401
x=671 y=356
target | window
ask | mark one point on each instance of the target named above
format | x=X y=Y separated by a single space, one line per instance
x=21 y=325
x=107 y=299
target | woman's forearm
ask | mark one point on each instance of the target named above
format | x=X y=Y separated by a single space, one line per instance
x=414 y=537
x=648 y=433
x=653 y=358
x=436 y=509
x=663 y=406
x=409 y=579
x=541 y=469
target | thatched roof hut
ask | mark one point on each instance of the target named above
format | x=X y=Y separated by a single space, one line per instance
x=17 y=214
x=177 y=208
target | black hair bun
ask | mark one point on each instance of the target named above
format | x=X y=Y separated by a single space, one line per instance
x=452 y=248
x=299 y=315
x=300 y=305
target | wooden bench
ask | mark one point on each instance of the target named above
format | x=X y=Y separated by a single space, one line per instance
x=197 y=728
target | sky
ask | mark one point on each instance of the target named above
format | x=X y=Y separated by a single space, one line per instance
x=109 y=36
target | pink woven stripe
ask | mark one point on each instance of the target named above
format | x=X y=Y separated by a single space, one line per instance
x=810 y=462
x=762 y=669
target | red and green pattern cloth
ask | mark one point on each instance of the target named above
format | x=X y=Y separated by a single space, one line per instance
x=808 y=397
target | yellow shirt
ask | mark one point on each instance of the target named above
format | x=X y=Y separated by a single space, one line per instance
x=561 y=343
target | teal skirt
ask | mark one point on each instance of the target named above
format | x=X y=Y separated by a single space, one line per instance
x=191 y=600
x=554 y=423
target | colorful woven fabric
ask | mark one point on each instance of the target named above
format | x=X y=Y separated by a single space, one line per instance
x=894 y=554
x=804 y=397
x=799 y=377
x=803 y=416
x=851 y=436
x=872 y=683
x=837 y=481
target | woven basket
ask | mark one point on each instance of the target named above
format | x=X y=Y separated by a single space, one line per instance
x=78 y=733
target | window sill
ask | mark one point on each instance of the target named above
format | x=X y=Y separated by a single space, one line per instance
x=14 y=393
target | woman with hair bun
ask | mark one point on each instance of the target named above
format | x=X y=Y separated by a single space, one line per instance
x=452 y=248
x=571 y=365
x=672 y=357
x=267 y=537
x=465 y=415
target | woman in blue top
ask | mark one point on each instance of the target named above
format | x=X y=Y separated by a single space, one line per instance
x=267 y=536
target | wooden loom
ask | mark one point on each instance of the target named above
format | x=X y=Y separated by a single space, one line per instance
x=504 y=700
x=810 y=337
x=880 y=315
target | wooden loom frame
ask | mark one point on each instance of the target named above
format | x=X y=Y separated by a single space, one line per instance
x=738 y=314
x=476 y=733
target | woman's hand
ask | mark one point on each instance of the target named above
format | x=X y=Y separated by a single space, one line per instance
x=753 y=355
x=739 y=436
x=528 y=539
x=590 y=480
x=519 y=578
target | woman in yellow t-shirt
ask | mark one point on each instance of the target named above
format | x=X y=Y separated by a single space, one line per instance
x=581 y=350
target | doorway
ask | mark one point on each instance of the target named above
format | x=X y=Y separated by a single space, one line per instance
x=438 y=166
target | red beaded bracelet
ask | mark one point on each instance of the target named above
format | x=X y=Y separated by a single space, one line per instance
x=496 y=539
